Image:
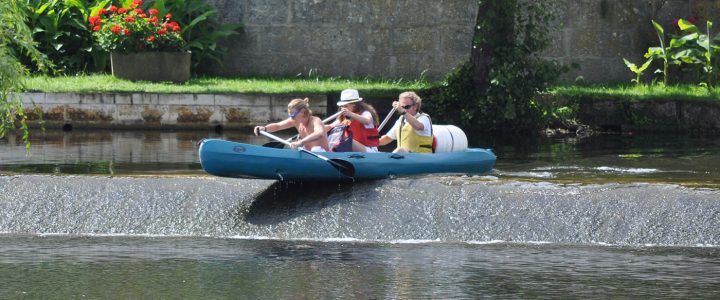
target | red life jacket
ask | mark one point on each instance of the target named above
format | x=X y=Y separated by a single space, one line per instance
x=369 y=137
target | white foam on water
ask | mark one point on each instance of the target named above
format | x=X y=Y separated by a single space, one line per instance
x=528 y=174
x=361 y=241
x=627 y=170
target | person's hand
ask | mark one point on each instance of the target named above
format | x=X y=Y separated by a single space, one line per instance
x=295 y=145
x=398 y=108
x=258 y=129
x=345 y=112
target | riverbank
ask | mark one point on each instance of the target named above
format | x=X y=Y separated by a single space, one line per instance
x=102 y=101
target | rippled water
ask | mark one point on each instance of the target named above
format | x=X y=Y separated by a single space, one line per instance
x=600 y=217
x=569 y=159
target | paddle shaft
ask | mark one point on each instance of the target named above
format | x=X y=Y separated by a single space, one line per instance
x=392 y=111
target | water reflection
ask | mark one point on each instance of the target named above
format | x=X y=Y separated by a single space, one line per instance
x=110 y=152
x=690 y=160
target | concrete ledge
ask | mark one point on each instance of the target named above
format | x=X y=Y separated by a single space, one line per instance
x=170 y=111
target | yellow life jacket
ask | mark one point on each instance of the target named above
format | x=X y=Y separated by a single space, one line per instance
x=411 y=141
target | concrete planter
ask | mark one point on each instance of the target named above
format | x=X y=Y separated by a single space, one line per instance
x=151 y=66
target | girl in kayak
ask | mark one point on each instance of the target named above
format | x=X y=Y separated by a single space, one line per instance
x=311 y=130
x=361 y=119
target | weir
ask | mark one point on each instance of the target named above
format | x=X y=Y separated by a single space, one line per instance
x=442 y=209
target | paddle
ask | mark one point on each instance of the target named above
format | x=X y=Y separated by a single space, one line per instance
x=392 y=111
x=343 y=166
x=275 y=144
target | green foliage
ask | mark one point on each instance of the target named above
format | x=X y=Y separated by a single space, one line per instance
x=62 y=34
x=200 y=29
x=637 y=70
x=690 y=47
x=130 y=30
x=506 y=101
x=14 y=33
x=202 y=85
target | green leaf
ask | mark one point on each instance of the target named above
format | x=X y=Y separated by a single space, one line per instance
x=658 y=28
x=645 y=65
x=687 y=26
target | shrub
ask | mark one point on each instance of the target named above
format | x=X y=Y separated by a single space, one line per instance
x=131 y=29
x=505 y=99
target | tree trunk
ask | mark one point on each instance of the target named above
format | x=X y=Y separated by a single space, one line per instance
x=493 y=32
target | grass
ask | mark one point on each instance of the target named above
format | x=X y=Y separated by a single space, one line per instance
x=305 y=85
x=216 y=85
x=639 y=92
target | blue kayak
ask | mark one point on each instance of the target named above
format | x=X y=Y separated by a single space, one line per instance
x=232 y=159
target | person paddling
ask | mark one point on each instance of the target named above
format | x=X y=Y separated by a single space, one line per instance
x=311 y=130
x=413 y=130
x=361 y=119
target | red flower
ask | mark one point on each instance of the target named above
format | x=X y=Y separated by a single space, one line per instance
x=102 y=11
x=137 y=2
x=116 y=29
x=168 y=16
x=126 y=31
x=153 y=12
x=129 y=19
x=113 y=8
x=176 y=28
x=154 y=20
x=96 y=28
x=162 y=31
x=94 y=20
x=122 y=10
x=139 y=11
x=151 y=38
x=142 y=15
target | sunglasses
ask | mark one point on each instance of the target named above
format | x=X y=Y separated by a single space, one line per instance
x=407 y=106
x=293 y=114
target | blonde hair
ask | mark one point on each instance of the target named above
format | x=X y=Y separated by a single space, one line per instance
x=298 y=104
x=412 y=96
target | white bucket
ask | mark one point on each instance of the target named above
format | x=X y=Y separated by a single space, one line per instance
x=449 y=138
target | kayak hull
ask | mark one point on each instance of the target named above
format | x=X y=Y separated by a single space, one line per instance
x=232 y=159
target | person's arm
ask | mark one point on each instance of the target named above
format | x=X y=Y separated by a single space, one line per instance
x=390 y=135
x=417 y=125
x=384 y=140
x=272 y=127
x=360 y=118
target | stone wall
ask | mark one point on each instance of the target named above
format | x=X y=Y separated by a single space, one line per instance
x=412 y=38
x=377 y=38
x=160 y=111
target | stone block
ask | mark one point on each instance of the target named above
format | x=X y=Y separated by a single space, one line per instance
x=30 y=99
x=177 y=99
x=204 y=99
x=145 y=99
x=456 y=40
x=122 y=98
x=61 y=98
x=416 y=40
x=314 y=12
x=265 y=12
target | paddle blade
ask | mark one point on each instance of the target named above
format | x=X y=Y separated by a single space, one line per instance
x=274 y=144
x=345 y=167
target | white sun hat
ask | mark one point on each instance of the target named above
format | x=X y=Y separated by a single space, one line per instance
x=349 y=96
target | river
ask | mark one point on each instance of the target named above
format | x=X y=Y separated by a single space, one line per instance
x=131 y=214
